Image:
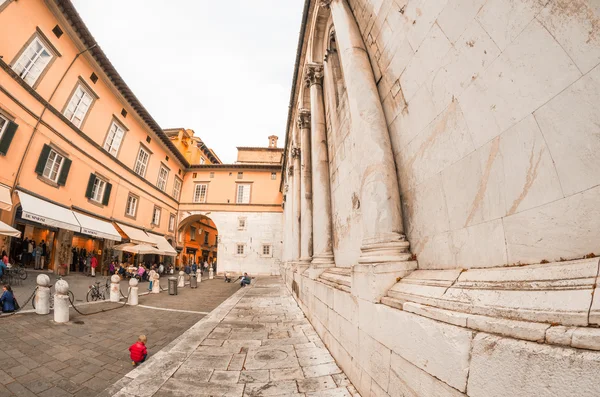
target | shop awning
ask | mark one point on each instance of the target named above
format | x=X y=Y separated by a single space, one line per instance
x=6 y=230
x=97 y=228
x=46 y=213
x=163 y=245
x=5 y=201
x=135 y=235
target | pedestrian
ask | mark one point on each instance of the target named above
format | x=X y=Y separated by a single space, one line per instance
x=44 y=253
x=30 y=247
x=37 y=253
x=138 y=351
x=215 y=266
x=161 y=268
x=151 y=276
x=187 y=269
x=3 y=265
x=205 y=266
x=245 y=280
x=94 y=265
x=111 y=268
x=194 y=267
x=7 y=300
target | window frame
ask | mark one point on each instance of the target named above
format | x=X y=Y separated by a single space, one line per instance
x=237 y=249
x=137 y=158
x=192 y=233
x=58 y=171
x=171 y=222
x=156 y=207
x=5 y=126
x=101 y=182
x=119 y=125
x=270 y=248
x=135 y=209
x=162 y=167
x=196 y=185
x=237 y=193
x=242 y=223
x=205 y=237
x=175 y=182
x=87 y=90
x=273 y=176
x=43 y=40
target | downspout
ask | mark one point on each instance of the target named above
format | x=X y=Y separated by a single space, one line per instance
x=39 y=119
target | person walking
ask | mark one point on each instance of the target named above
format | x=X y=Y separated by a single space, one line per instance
x=94 y=265
x=44 y=253
x=30 y=247
x=37 y=254
x=205 y=266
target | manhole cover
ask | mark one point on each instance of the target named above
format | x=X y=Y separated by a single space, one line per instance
x=78 y=322
x=271 y=355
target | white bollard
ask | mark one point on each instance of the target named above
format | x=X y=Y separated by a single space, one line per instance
x=156 y=284
x=61 y=302
x=42 y=296
x=133 y=292
x=115 y=288
x=199 y=275
x=181 y=280
x=211 y=273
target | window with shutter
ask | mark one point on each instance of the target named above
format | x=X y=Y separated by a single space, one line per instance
x=53 y=166
x=7 y=133
x=41 y=164
x=64 y=172
x=107 y=191
x=98 y=190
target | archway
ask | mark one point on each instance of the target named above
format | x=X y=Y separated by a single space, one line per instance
x=199 y=237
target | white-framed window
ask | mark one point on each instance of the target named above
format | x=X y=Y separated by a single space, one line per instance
x=53 y=166
x=273 y=176
x=241 y=223
x=200 y=193
x=240 y=249
x=192 y=233
x=202 y=160
x=266 y=250
x=141 y=164
x=131 y=206
x=176 y=188
x=163 y=176
x=156 y=216
x=114 y=139
x=79 y=105
x=3 y=125
x=98 y=190
x=171 y=222
x=33 y=61
x=243 y=193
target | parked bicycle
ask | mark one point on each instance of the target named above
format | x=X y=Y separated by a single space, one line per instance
x=97 y=292
x=71 y=296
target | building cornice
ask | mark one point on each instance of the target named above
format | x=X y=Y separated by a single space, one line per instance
x=270 y=167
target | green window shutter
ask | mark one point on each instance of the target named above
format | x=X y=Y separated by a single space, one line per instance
x=7 y=137
x=41 y=164
x=64 y=172
x=90 y=186
x=107 y=193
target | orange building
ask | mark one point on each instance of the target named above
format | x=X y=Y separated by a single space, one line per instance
x=83 y=165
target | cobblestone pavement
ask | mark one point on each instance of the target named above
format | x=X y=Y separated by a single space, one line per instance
x=41 y=358
x=257 y=343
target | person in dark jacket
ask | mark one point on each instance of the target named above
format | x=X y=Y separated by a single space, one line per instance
x=7 y=300
x=138 y=351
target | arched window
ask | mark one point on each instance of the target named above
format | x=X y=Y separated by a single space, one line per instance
x=333 y=63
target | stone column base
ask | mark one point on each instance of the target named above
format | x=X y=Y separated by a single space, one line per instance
x=319 y=264
x=371 y=282
x=303 y=265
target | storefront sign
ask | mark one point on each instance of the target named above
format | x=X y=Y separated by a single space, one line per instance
x=191 y=250
x=35 y=218
x=89 y=232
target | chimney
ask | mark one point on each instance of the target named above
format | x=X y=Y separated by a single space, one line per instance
x=273 y=141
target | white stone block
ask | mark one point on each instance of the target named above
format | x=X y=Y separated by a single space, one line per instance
x=508 y=367
x=457 y=15
x=482 y=245
x=586 y=338
x=560 y=335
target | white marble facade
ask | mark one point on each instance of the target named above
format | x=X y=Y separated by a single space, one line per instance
x=471 y=130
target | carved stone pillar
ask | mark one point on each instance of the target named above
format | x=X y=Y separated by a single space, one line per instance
x=306 y=219
x=384 y=250
x=294 y=174
x=322 y=230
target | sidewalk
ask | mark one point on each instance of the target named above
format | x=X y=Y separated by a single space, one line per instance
x=256 y=343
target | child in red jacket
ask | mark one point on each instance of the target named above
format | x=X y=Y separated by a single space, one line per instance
x=138 y=351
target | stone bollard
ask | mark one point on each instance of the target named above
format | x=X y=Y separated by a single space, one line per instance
x=115 y=288
x=211 y=273
x=181 y=280
x=133 y=292
x=42 y=296
x=61 y=302
x=199 y=275
x=156 y=284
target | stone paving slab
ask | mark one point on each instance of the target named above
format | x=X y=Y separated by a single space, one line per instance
x=256 y=343
x=82 y=358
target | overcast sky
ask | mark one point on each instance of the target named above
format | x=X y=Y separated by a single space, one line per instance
x=220 y=67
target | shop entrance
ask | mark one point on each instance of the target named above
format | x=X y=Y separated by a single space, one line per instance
x=82 y=249
x=35 y=248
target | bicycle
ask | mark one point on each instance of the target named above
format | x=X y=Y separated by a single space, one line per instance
x=71 y=296
x=96 y=292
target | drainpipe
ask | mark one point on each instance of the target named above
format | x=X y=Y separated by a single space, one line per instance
x=39 y=119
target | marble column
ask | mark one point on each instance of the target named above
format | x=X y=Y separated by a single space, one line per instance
x=384 y=250
x=295 y=171
x=306 y=219
x=321 y=198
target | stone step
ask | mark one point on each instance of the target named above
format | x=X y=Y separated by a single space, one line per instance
x=338 y=278
x=341 y=287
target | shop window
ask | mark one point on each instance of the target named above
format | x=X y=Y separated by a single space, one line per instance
x=192 y=233
x=114 y=139
x=131 y=208
x=53 y=166
x=141 y=162
x=79 y=105
x=33 y=60
x=266 y=250
x=200 y=193
x=156 y=216
x=243 y=194
x=7 y=133
x=273 y=176
x=171 y=222
x=163 y=176
x=240 y=249
x=177 y=188
x=98 y=190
